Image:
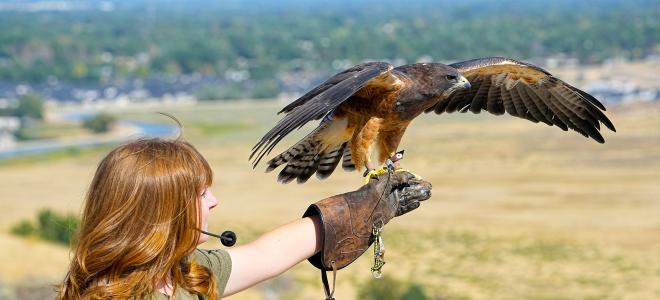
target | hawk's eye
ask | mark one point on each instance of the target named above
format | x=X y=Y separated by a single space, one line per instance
x=450 y=77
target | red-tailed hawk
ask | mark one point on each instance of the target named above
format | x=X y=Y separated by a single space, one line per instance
x=371 y=104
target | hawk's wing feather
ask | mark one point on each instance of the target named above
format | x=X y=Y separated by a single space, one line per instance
x=526 y=91
x=318 y=102
x=332 y=81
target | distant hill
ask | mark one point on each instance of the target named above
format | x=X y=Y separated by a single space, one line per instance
x=258 y=41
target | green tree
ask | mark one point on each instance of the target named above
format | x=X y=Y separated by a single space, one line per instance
x=224 y=92
x=265 y=89
x=55 y=227
x=414 y=292
x=23 y=228
x=50 y=226
x=30 y=105
x=100 y=123
x=383 y=288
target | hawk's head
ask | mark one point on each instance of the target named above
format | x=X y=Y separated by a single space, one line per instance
x=440 y=80
x=433 y=82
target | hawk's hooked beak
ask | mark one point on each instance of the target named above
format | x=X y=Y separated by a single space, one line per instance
x=463 y=83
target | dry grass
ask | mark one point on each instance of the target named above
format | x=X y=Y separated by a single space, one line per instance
x=519 y=210
x=643 y=74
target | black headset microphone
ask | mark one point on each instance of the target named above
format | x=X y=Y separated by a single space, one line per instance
x=227 y=238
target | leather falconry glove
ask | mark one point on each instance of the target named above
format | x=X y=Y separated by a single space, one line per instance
x=347 y=219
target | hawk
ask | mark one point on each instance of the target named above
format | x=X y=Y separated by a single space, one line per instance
x=369 y=106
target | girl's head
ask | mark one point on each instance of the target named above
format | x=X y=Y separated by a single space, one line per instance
x=140 y=222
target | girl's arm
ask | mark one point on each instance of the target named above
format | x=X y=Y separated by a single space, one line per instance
x=349 y=216
x=273 y=253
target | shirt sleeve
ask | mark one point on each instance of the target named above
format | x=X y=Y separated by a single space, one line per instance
x=219 y=262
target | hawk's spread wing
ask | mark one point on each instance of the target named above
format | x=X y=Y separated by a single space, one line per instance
x=320 y=101
x=526 y=91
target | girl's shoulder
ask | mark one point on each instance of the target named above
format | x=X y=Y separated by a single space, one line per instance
x=216 y=260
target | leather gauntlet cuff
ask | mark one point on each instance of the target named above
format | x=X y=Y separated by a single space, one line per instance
x=348 y=219
x=344 y=237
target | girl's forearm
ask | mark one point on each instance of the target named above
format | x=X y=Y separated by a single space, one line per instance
x=273 y=253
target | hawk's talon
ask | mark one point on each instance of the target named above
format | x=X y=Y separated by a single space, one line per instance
x=372 y=173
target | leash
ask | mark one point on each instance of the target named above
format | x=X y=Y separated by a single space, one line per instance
x=326 y=287
x=379 y=252
x=376 y=231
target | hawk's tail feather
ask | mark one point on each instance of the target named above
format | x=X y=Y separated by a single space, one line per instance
x=317 y=153
x=306 y=158
x=329 y=160
x=302 y=167
x=348 y=164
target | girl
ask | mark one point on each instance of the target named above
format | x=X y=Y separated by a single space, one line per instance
x=150 y=198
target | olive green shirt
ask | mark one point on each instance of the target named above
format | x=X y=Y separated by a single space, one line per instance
x=218 y=261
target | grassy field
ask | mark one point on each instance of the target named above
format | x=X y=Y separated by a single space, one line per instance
x=51 y=131
x=519 y=210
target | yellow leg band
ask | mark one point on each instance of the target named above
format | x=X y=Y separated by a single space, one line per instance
x=371 y=173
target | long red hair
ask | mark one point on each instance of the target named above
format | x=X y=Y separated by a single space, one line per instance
x=139 y=224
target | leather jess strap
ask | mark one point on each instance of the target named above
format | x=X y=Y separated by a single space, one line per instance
x=326 y=287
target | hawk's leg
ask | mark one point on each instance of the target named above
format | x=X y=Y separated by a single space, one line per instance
x=393 y=164
x=388 y=140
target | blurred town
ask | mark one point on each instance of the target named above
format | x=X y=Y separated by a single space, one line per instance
x=104 y=54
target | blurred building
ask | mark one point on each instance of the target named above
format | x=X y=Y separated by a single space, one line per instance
x=8 y=125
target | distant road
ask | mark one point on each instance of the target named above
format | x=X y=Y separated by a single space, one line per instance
x=126 y=130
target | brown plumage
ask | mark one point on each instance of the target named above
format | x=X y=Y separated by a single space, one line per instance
x=372 y=104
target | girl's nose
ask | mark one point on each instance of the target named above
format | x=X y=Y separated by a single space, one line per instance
x=213 y=201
